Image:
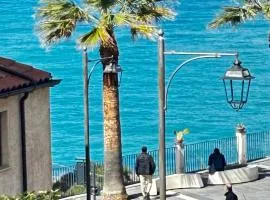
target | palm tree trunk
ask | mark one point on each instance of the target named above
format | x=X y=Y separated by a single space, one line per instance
x=113 y=172
x=113 y=188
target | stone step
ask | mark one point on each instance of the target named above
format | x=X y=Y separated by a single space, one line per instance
x=262 y=168
x=181 y=196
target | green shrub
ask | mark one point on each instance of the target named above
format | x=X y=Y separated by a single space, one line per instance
x=41 y=195
x=127 y=174
x=4 y=197
x=99 y=169
x=76 y=190
x=60 y=185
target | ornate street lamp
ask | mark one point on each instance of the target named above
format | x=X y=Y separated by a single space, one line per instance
x=237 y=81
x=236 y=97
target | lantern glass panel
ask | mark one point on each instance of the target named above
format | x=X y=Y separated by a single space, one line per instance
x=234 y=74
x=228 y=91
x=236 y=92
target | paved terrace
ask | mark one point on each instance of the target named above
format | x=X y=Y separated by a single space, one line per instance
x=245 y=191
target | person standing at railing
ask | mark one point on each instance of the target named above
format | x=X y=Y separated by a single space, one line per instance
x=145 y=168
x=216 y=161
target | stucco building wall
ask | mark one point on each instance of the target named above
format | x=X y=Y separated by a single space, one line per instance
x=11 y=173
x=38 y=143
x=38 y=140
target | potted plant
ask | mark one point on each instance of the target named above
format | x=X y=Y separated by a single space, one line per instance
x=180 y=137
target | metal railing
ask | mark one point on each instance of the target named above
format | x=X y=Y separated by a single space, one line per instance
x=71 y=180
x=197 y=154
x=64 y=177
x=129 y=162
x=258 y=145
x=196 y=159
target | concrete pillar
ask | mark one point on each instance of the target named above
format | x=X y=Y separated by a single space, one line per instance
x=180 y=158
x=241 y=144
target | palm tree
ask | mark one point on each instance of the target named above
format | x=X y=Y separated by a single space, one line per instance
x=245 y=10
x=57 y=19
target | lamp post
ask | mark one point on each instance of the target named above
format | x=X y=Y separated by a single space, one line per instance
x=235 y=74
x=86 y=124
x=112 y=68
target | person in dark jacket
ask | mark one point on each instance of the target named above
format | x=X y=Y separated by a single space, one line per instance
x=145 y=168
x=216 y=161
x=229 y=194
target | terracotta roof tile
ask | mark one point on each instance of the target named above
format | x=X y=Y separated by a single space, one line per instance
x=14 y=75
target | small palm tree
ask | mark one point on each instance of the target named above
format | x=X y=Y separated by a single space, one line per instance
x=245 y=10
x=57 y=19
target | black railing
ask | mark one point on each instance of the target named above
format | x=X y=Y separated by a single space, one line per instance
x=129 y=162
x=64 y=177
x=71 y=180
x=197 y=154
x=258 y=145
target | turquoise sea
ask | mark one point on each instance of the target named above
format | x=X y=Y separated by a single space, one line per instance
x=196 y=99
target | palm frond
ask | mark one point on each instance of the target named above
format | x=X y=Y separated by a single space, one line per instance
x=144 y=30
x=141 y=16
x=61 y=9
x=101 y=4
x=96 y=35
x=137 y=26
x=57 y=19
x=266 y=10
x=148 y=10
x=156 y=13
x=120 y=19
x=235 y=15
x=90 y=39
x=51 y=31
